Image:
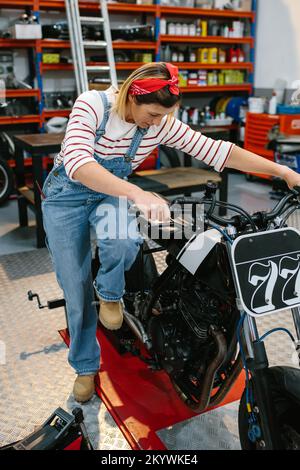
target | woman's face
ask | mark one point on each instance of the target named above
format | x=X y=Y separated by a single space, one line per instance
x=145 y=115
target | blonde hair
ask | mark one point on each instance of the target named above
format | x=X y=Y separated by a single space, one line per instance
x=149 y=70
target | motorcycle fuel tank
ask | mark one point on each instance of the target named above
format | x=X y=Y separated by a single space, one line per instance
x=197 y=248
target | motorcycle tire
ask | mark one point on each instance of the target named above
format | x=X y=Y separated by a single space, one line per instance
x=6 y=180
x=287 y=405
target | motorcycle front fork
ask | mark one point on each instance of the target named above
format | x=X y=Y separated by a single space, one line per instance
x=257 y=363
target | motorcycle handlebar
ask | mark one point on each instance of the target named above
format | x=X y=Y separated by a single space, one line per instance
x=241 y=219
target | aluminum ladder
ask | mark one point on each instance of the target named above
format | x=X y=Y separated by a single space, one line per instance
x=78 y=45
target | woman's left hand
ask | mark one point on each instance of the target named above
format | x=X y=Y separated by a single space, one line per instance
x=291 y=177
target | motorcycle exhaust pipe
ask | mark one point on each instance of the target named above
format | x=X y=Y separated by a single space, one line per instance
x=213 y=367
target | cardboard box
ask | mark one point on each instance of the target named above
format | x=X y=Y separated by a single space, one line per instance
x=245 y=5
x=144 y=2
x=26 y=31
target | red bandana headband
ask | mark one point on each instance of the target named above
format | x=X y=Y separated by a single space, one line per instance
x=149 y=85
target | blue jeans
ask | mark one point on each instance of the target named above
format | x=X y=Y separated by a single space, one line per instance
x=69 y=210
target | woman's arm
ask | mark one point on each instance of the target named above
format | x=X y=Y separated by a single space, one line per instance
x=220 y=154
x=96 y=177
x=241 y=159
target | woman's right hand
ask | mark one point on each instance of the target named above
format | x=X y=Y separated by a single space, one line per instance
x=153 y=207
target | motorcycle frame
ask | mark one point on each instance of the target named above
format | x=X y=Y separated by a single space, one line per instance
x=258 y=365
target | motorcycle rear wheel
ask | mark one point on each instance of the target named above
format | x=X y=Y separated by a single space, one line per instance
x=6 y=180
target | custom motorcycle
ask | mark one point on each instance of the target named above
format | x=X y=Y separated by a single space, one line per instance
x=197 y=319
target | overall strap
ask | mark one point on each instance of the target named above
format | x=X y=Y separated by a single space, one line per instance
x=135 y=143
x=106 y=106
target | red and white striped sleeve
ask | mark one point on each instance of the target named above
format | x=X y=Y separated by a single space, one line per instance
x=212 y=152
x=78 y=144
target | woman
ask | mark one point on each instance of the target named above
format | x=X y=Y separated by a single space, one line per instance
x=108 y=135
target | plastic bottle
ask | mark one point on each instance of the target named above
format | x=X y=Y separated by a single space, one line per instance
x=204 y=28
x=167 y=54
x=185 y=29
x=240 y=55
x=193 y=56
x=273 y=104
x=180 y=57
x=221 y=80
x=199 y=54
x=192 y=29
x=174 y=56
x=207 y=114
x=226 y=31
x=222 y=56
x=204 y=55
x=178 y=29
x=232 y=55
x=185 y=115
x=195 y=116
x=213 y=55
x=171 y=29
x=163 y=26
x=198 y=28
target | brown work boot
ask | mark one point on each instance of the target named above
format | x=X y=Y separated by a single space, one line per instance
x=111 y=314
x=84 y=388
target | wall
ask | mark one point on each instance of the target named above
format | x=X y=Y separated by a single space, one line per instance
x=278 y=40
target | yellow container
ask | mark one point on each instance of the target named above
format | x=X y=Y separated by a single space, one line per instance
x=204 y=55
x=143 y=57
x=198 y=54
x=221 y=79
x=51 y=58
x=213 y=55
x=204 y=28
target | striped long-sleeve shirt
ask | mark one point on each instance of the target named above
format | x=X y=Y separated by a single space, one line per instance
x=79 y=147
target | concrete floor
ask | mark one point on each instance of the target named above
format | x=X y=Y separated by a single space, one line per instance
x=252 y=196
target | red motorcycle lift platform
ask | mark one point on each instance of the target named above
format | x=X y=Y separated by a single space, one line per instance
x=140 y=400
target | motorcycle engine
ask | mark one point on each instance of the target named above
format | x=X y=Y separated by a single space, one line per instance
x=179 y=327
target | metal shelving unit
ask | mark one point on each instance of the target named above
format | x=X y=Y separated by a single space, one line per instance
x=36 y=6
x=205 y=40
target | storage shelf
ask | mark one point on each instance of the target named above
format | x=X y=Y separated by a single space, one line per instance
x=26 y=119
x=60 y=44
x=205 y=39
x=17 y=43
x=22 y=93
x=49 y=113
x=93 y=6
x=45 y=67
x=119 y=65
x=55 y=44
x=180 y=65
x=132 y=8
x=218 y=66
x=16 y=4
x=204 y=89
x=134 y=45
x=154 y=46
x=186 y=11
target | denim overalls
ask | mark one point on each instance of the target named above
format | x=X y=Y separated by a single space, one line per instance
x=69 y=209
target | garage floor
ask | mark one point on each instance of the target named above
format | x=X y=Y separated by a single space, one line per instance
x=35 y=377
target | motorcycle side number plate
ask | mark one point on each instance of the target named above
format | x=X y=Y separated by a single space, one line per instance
x=267 y=270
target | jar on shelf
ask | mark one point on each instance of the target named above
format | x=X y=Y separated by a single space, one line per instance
x=193 y=79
